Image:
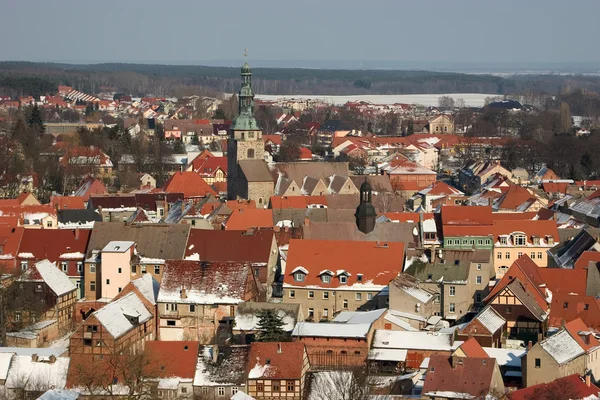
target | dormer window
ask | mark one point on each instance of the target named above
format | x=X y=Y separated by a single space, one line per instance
x=343 y=279
x=536 y=240
x=503 y=240
x=325 y=278
x=299 y=277
x=520 y=239
x=550 y=239
x=359 y=278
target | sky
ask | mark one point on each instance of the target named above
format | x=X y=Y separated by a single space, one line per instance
x=320 y=32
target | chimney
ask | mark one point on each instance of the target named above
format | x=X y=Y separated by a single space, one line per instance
x=588 y=380
x=52 y=359
x=77 y=233
x=279 y=348
x=306 y=221
x=34 y=357
x=529 y=345
x=183 y=293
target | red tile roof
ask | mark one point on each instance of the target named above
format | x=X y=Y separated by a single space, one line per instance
x=514 y=197
x=239 y=204
x=68 y=202
x=440 y=188
x=474 y=230
x=577 y=306
x=571 y=387
x=171 y=359
x=305 y=153
x=472 y=348
x=10 y=240
x=578 y=330
x=466 y=215
x=473 y=376
x=407 y=216
x=275 y=139
x=586 y=257
x=553 y=187
x=279 y=202
x=514 y=216
x=254 y=246
x=285 y=359
x=242 y=219
x=376 y=263
x=530 y=228
x=189 y=183
x=208 y=166
x=560 y=280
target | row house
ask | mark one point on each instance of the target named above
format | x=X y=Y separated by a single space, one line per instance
x=277 y=370
x=64 y=247
x=474 y=173
x=406 y=175
x=467 y=227
x=31 y=216
x=458 y=279
x=154 y=243
x=310 y=178
x=198 y=297
x=54 y=290
x=329 y=276
x=572 y=350
x=512 y=239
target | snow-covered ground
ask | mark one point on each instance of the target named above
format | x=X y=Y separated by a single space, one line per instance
x=471 y=99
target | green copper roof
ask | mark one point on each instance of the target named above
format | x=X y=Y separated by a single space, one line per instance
x=246 y=68
x=245 y=119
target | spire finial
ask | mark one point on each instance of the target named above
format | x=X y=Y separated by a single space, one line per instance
x=246 y=54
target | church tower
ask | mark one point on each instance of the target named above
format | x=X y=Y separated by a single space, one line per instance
x=245 y=139
x=365 y=212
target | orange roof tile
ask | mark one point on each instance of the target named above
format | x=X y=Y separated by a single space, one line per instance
x=574 y=385
x=577 y=328
x=562 y=280
x=530 y=228
x=189 y=183
x=586 y=257
x=467 y=215
x=68 y=202
x=472 y=348
x=514 y=197
x=244 y=218
x=514 y=216
x=285 y=359
x=172 y=359
x=567 y=307
x=366 y=263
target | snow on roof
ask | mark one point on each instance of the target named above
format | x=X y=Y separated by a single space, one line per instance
x=331 y=330
x=491 y=319
x=429 y=225
x=34 y=373
x=387 y=355
x=300 y=269
x=506 y=357
x=562 y=347
x=385 y=339
x=72 y=256
x=419 y=294
x=42 y=352
x=241 y=396
x=402 y=314
x=148 y=287
x=5 y=360
x=449 y=395
x=59 y=394
x=359 y=317
x=118 y=246
x=114 y=315
x=249 y=321
x=25 y=255
x=56 y=280
x=171 y=383
x=394 y=319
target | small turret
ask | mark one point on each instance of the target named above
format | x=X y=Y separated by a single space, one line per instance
x=365 y=212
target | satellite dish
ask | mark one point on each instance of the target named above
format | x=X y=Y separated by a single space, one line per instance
x=440 y=253
x=415 y=231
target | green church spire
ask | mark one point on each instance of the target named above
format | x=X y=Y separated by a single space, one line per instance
x=245 y=119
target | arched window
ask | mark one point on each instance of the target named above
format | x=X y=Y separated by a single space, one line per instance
x=250 y=153
x=260 y=200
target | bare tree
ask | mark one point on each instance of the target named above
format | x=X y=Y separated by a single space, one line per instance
x=446 y=102
x=358 y=163
x=350 y=384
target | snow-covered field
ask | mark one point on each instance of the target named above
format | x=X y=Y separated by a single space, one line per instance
x=471 y=99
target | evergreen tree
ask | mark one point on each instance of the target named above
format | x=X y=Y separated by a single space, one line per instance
x=219 y=114
x=270 y=327
x=195 y=140
x=34 y=119
x=411 y=128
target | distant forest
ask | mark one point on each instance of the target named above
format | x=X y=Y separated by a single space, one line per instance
x=27 y=78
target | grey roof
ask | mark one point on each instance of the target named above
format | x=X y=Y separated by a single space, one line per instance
x=527 y=299
x=77 y=216
x=359 y=317
x=384 y=231
x=309 y=184
x=229 y=369
x=282 y=184
x=379 y=183
x=381 y=202
x=336 y=183
x=296 y=215
x=118 y=246
x=166 y=241
x=454 y=267
x=296 y=171
x=256 y=171
x=565 y=255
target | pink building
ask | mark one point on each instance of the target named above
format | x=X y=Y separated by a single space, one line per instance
x=115 y=265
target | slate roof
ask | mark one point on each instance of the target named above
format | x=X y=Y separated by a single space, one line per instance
x=379 y=183
x=256 y=170
x=75 y=216
x=453 y=267
x=164 y=241
x=384 y=231
x=296 y=171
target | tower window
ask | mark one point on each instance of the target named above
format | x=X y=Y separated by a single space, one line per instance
x=250 y=153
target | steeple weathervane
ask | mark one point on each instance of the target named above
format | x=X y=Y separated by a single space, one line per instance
x=246 y=54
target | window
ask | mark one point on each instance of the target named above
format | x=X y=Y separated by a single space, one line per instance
x=503 y=240
x=325 y=278
x=586 y=306
x=276 y=386
x=234 y=390
x=311 y=294
x=204 y=390
x=536 y=240
x=478 y=267
x=290 y=386
x=64 y=266
x=92 y=267
x=345 y=303
x=325 y=313
x=299 y=277
x=192 y=308
x=452 y=307
x=507 y=255
x=488 y=241
x=133 y=269
x=452 y=290
x=566 y=304
x=108 y=281
x=479 y=241
x=478 y=280
x=357 y=353
x=119 y=270
x=311 y=313
x=477 y=297
x=325 y=295
x=170 y=322
x=87 y=342
x=508 y=310
x=358 y=296
x=519 y=254
x=359 y=278
x=93 y=286
x=38 y=288
x=171 y=306
x=23 y=265
x=520 y=240
x=256 y=272
x=79 y=266
x=49 y=224
x=220 y=391
x=260 y=386
x=292 y=294
x=343 y=279
x=250 y=153
x=119 y=290
x=143 y=267
x=538 y=363
x=539 y=255
x=157 y=270
x=369 y=296
x=184 y=390
x=532 y=255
